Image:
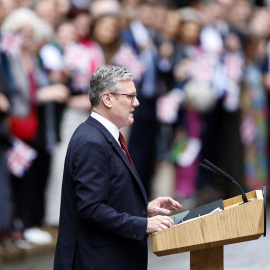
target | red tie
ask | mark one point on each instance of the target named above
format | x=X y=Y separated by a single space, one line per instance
x=124 y=146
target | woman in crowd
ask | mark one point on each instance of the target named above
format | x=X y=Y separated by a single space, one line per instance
x=194 y=74
x=78 y=58
x=253 y=127
x=30 y=120
x=106 y=32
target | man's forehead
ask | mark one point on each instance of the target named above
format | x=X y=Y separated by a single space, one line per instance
x=128 y=85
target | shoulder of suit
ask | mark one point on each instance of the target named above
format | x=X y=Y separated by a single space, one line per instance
x=87 y=132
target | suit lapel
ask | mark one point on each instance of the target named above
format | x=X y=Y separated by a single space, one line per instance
x=119 y=150
x=128 y=164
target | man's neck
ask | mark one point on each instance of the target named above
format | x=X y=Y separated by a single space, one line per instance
x=113 y=129
x=101 y=113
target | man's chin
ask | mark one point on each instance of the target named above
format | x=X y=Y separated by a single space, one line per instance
x=131 y=120
x=128 y=122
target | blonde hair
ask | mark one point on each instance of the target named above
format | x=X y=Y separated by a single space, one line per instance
x=22 y=16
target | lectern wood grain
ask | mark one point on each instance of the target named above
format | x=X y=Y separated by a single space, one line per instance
x=207 y=259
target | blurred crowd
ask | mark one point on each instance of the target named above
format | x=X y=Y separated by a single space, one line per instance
x=202 y=73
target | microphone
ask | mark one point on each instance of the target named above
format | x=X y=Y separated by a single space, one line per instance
x=218 y=171
x=210 y=167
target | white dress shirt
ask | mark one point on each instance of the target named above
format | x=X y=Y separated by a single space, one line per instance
x=112 y=128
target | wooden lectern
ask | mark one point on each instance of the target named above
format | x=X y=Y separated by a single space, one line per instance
x=205 y=237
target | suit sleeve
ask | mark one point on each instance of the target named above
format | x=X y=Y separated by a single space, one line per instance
x=91 y=174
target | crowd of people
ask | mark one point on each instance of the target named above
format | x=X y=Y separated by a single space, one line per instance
x=202 y=73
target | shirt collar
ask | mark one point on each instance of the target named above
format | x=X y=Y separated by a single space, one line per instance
x=112 y=128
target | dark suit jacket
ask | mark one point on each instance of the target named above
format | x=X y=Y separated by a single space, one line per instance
x=103 y=215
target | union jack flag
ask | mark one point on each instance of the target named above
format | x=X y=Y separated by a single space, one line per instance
x=127 y=58
x=10 y=43
x=77 y=57
x=20 y=157
x=80 y=60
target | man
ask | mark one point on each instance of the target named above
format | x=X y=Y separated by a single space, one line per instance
x=105 y=217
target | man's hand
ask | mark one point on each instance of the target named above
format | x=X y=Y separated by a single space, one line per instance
x=163 y=206
x=158 y=224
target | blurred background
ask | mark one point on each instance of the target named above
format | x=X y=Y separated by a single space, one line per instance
x=202 y=73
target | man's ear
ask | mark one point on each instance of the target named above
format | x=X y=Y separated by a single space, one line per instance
x=106 y=99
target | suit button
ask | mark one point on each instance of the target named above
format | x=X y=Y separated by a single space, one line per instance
x=143 y=212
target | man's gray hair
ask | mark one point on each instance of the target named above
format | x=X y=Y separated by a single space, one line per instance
x=107 y=79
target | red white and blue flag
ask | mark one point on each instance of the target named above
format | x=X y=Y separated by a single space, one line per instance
x=10 y=43
x=20 y=157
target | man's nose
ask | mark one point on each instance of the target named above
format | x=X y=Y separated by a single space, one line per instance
x=136 y=102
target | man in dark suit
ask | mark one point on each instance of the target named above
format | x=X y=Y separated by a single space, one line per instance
x=105 y=216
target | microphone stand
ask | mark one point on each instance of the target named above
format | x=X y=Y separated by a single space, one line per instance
x=210 y=167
